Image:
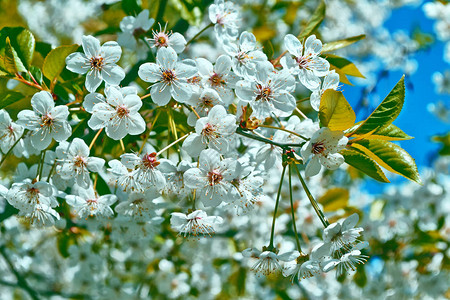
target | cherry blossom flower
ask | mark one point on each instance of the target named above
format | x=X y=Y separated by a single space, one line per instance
x=246 y=56
x=307 y=266
x=269 y=93
x=46 y=121
x=331 y=81
x=194 y=224
x=74 y=162
x=118 y=113
x=215 y=131
x=169 y=75
x=218 y=77
x=212 y=178
x=89 y=203
x=98 y=62
x=268 y=262
x=139 y=206
x=306 y=62
x=323 y=149
x=10 y=132
x=165 y=39
x=342 y=235
x=133 y=28
x=225 y=16
x=202 y=104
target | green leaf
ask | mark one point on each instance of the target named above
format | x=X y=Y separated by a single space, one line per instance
x=386 y=133
x=21 y=40
x=343 y=64
x=386 y=112
x=36 y=73
x=314 y=22
x=391 y=157
x=331 y=46
x=364 y=163
x=334 y=199
x=444 y=140
x=335 y=112
x=55 y=61
x=12 y=62
x=9 y=97
x=131 y=7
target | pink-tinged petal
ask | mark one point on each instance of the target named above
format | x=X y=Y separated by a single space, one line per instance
x=78 y=63
x=91 y=46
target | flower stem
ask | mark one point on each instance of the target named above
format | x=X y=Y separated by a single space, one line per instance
x=265 y=140
x=312 y=200
x=95 y=138
x=284 y=129
x=299 y=248
x=272 y=232
x=11 y=149
x=173 y=143
x=199 y=33
x=42 y=164
x=149 y=131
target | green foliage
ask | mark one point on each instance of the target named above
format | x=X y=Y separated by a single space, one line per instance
x=335 y=45
x=364 y=163
x=343 y=67
x=390 y=156
x=335 y=112
x=9 y=97
x=445 y=141
x=55 y=61
x=314 y=22
x=334 y=199
x=17 y=46
x=386 y=112
x=131 y=7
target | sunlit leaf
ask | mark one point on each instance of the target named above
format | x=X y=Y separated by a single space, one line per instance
x=55 y=61
x=343 y=64
x=386 y=112
x=314 y=22
x=386 y=133
x=391 y=157
x=12 y=62
x=335 y=45
x=364 y=163
x=335 y=112
x=9 y=97
x=334 y=199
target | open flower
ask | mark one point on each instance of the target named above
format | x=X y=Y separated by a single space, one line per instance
x=98 y=62
x=139 y=206
x=133 y=28
x=202 y=104
x=165 y=39
x=268 y=262
x=10 y=132
x=306 y=61
x=323 y=149
x=169 y=75
x=195 y=224
x=331 y=81
x=45 y=121
x=306 y=268
x=342 y=235
x=212 y=178
x=225 y=16
x=215 y=131
x=74 y=162
x=268 y=93
x=88 y=203
x=118 y=112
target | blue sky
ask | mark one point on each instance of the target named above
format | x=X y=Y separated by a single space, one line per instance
x=415 y=119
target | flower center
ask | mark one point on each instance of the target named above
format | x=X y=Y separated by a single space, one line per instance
x=168 y=76
x=318 y=148
x=79 y=162
x=209 y=130
x=149 y=160
x=216 y=80
x=264 y=93
x=303 y=62
x=214 y=177
x=122 y=111
x=97 y=63
x=207 y=102
x=194 y=80
x=47 y=121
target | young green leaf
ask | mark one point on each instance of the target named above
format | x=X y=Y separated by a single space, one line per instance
x=343 y=64
x=22 y=41
x=364 y=163
x=386 y=112
x=12 y=62
x=9 y=97
x=386 y=133
x=335 y=112
x=335 y=45
x=391 y=157
x=55 y=61
x=314 y=22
